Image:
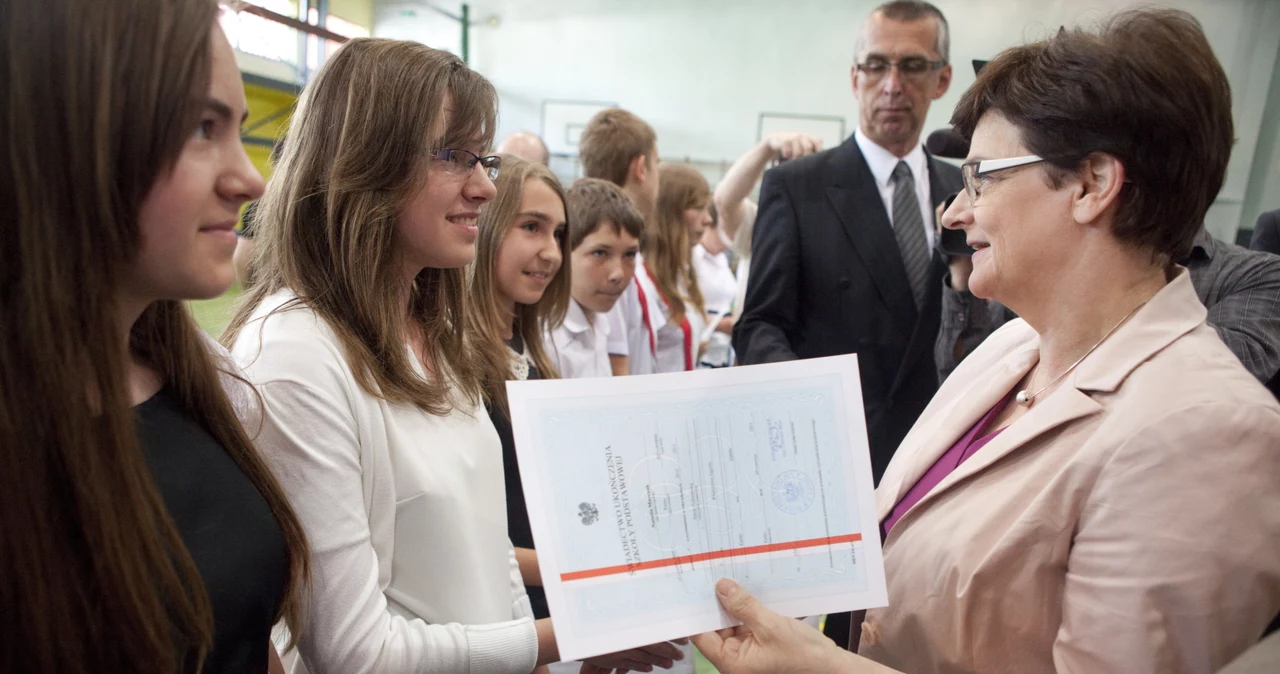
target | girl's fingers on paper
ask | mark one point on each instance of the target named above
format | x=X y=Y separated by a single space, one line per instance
x=663 y=650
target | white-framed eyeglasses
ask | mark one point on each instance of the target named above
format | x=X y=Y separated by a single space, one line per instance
x=974 y=171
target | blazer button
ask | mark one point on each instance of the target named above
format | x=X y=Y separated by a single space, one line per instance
x=870 y=634
x=844 y=284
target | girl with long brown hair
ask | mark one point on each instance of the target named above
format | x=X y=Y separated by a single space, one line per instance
x=354 y=332
x=518 y=287
x=684 y=202
x=519 y=290
x=142 y=531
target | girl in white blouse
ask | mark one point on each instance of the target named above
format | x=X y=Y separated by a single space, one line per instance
x=719 y=289
x=353 y=333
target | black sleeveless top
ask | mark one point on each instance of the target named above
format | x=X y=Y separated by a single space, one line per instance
x=518 y=527
x=227 y=527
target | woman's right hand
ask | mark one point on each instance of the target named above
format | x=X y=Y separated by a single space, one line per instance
x=766 y=642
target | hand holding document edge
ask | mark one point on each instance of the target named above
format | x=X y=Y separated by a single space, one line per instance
x=765 y=642
x=644 y=491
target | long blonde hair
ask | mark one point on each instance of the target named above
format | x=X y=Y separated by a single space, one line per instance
x=100 y=99
x=485 y=317
x=667 y=249
x=356 y=151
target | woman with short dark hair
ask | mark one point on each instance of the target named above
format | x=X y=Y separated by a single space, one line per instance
x=1095 y=488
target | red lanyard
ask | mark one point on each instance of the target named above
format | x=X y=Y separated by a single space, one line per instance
x=644 y=314
x=685 y=326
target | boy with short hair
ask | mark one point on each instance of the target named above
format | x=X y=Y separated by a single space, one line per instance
x=604 y=235
x=621 y=148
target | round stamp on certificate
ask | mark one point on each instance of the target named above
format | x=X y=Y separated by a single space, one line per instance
x=793 y=492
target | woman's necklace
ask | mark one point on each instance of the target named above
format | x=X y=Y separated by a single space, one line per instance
x=1023 y=398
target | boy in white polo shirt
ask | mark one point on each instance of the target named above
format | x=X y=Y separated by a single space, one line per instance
x=604 y=235
x=618 y=146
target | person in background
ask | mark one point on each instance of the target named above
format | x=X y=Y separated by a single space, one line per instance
x=244 y=245
x=354 y=332
x=684 y=202
x=736 y=212
x=604 y=235
x=1266 y=233
x=621 y=148
x=842 y=257
x=1239 y=287
x=143 y=532
x=1093 y=489
x=526 y=145
x=516 y=291
x=719 y=288
x=243 y=257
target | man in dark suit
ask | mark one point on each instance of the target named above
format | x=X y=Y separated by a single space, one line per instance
x=842 y=257
x=1266 y=233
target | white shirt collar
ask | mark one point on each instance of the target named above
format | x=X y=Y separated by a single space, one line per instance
x=882 y=162
x=702 y=252
x=575 y=320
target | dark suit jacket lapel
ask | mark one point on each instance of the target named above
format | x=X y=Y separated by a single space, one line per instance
x=921 y=325
x=856 y=199
x=924 y=332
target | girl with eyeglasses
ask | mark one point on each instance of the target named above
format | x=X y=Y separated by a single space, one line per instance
x=354 y=332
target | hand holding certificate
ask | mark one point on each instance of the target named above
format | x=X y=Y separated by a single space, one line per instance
x=644 y=491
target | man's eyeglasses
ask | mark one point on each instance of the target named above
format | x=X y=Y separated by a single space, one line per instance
x=974 y=172
x=909 y=68
x=462 y=162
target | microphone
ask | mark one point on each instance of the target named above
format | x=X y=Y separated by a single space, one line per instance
x=947 y=143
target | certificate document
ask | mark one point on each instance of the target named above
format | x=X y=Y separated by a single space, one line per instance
x=644 y=491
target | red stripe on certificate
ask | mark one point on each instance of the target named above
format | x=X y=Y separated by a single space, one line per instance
x=708 y=556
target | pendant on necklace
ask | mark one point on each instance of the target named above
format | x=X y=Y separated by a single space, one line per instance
x=1023 y=399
